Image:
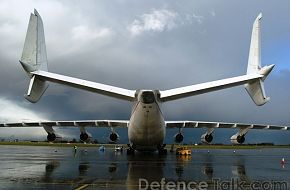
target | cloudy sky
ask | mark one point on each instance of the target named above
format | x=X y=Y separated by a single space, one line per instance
x=148 y=45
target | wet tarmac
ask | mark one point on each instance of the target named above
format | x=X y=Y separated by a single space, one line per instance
x=33 y=167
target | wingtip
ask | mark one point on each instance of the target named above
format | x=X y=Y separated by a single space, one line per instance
x=263 y=102
x=36 y=12
x=272 y=66
x=259 y=17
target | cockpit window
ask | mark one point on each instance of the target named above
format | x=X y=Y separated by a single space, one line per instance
x=147 y=97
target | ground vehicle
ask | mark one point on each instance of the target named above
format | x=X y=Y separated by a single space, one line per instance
x=183 y=151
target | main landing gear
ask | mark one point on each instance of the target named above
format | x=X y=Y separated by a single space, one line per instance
x=162 y=150
x=130 y=150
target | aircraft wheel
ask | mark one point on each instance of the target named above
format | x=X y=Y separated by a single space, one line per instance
x=130 y=151
x=162 y=151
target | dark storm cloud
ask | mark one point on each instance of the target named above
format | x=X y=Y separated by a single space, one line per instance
x=151 y=45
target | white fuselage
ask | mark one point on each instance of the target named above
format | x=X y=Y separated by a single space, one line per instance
x=146 y=130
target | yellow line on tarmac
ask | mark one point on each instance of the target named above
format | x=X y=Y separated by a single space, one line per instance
x=82 y=187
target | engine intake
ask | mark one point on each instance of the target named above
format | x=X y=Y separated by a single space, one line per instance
x=178 y=138
x=85 y=137
x=238 y=139
x=51 y=137
x=207 y=138
x=114 y=137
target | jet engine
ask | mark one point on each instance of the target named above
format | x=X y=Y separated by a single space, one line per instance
x=238 y=139
x=206 y=138
x=114 y=137
x=178 y=138
x=51 y=137
x=85 y=137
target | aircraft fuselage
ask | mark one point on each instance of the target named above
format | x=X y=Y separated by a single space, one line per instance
x=146 y=130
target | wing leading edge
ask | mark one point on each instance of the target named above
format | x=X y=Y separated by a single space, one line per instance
x=222 y=125
x=80 y=123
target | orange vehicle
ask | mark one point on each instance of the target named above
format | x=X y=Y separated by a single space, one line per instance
x=183 y=151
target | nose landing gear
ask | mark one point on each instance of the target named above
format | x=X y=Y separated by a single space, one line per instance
x=130 y=150
x=162 y=150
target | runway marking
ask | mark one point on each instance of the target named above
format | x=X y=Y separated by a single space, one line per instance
x=82 y=187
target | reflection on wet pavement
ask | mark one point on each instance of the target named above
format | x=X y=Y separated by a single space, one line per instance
x=24 y=167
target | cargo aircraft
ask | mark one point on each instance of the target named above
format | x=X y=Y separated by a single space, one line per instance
x=146 y=127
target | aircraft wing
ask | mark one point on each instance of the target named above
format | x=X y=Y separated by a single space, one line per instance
x=35 y=63
x=177 y=93
x=213 y=125
x=80 y=123
x=253 y=80
x=103 y=89
x=85 y=136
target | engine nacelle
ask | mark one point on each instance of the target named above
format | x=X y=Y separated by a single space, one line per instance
x=178 y=138
x=206 y=138
x=238 y=139
x=114 y=137
x=51 y=137
x=51 y=134
x=85 y=137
